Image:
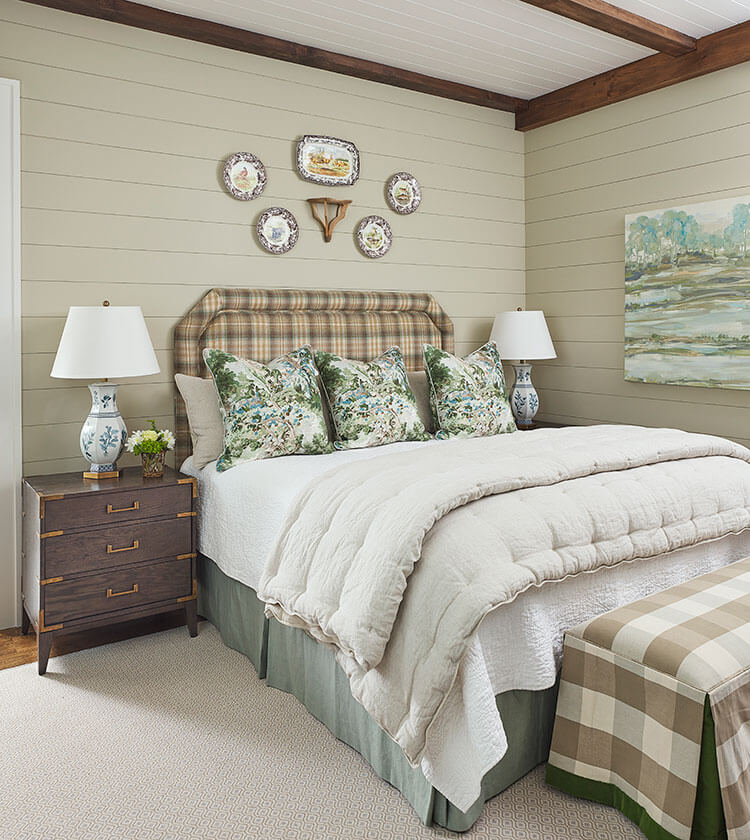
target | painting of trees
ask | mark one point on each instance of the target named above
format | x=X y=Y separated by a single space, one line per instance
x=662 y=237
x=687 y=295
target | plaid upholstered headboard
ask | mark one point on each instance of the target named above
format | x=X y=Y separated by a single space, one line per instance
x=262 y=324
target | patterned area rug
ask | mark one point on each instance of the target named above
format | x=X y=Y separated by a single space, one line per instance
x=166 y=737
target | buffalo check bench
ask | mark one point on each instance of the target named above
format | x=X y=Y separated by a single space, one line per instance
x=653 y=714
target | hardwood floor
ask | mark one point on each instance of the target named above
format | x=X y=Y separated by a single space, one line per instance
x=16 y=649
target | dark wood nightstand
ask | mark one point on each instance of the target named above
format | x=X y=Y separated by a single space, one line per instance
x=100 y=551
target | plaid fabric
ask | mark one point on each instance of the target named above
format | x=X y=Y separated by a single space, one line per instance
x=632 y=692
x=261 y=324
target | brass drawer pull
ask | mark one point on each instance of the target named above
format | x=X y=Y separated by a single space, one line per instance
x=133 y=547
x=111 y=594
x=134 y=506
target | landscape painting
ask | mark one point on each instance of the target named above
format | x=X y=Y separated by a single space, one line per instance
x=687 y=295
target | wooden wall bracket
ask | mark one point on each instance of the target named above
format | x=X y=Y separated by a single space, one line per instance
x=328 y=224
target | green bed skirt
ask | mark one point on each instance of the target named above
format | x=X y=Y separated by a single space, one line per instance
x=290 y=660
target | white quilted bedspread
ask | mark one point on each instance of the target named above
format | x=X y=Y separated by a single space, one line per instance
x=442 y=519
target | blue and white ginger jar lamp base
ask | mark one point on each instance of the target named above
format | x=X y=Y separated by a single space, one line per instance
x=524 y=399
x=104 y=433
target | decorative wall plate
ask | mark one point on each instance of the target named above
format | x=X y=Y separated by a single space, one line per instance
x=327 y=160
x=403 y=193
x=374 y=236
x=277 y=230
x=244 y=176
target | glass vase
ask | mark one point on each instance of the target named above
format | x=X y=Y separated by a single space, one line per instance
x=153 y=464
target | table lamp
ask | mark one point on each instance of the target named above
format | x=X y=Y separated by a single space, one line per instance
x=523 y=335
x=102 y=342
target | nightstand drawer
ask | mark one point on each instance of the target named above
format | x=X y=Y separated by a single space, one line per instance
x=101 y=507
x=67 y=554
x=117 y=590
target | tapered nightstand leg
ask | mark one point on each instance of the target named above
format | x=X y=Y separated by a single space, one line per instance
x=44 y=645
x=191 y=616
x=25 y=622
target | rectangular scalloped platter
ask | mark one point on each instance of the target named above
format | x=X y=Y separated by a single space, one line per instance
x=327 y=160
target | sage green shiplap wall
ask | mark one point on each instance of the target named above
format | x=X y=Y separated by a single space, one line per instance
x=688 y=143
x=123 y=134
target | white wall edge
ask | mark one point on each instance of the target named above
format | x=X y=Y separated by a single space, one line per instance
x=10 y=378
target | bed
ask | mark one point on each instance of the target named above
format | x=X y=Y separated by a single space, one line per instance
x=497 y=723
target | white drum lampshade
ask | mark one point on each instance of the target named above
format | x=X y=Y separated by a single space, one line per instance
x=100 y=343
x=523 y=335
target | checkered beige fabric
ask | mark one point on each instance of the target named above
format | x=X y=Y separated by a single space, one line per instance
x=262 y=324
x=633 y=688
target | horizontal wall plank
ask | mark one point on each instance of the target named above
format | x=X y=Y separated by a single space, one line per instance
x=683 y=185
x=61 y=440
x=577 y=253
x=584 y=327
x=609 y=275
x=37 y=367
x=120 y=101
x=40 y=335
x=730 y=422
x=50 y=227
x=71 y=194
x=700 y=120
x=589 y=302
x=49 y=298
x=588 y=354
x=610 y=221
x=56 y=50
x=729 y=143
x=109 y=165
x=43 y=407
x=117 y=267
x=190 y=156
x=612 y=383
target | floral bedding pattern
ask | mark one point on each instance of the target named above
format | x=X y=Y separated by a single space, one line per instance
x=371 y=402
x=268 y=410
x=468 y=396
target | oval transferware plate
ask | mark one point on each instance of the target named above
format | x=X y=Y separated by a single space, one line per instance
x=374 y=236
x=277 y=230
x=403 y=193
x=244 y=176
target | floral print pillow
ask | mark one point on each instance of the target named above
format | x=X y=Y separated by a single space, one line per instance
x=371 y=402
x=268 y=410
x=468 y=396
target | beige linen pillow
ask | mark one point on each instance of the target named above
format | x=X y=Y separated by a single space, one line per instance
x=420 y=387
x=204 y=417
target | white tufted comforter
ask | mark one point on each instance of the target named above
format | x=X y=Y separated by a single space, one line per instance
x=469 y=525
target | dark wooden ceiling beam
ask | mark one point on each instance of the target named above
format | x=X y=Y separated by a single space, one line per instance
x=233 y=38
x=713 y=52
x=624 y=24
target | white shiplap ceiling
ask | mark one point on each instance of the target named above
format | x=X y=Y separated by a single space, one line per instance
x=505 y=46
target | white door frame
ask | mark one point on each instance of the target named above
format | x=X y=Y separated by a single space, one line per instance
x=10 y=349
